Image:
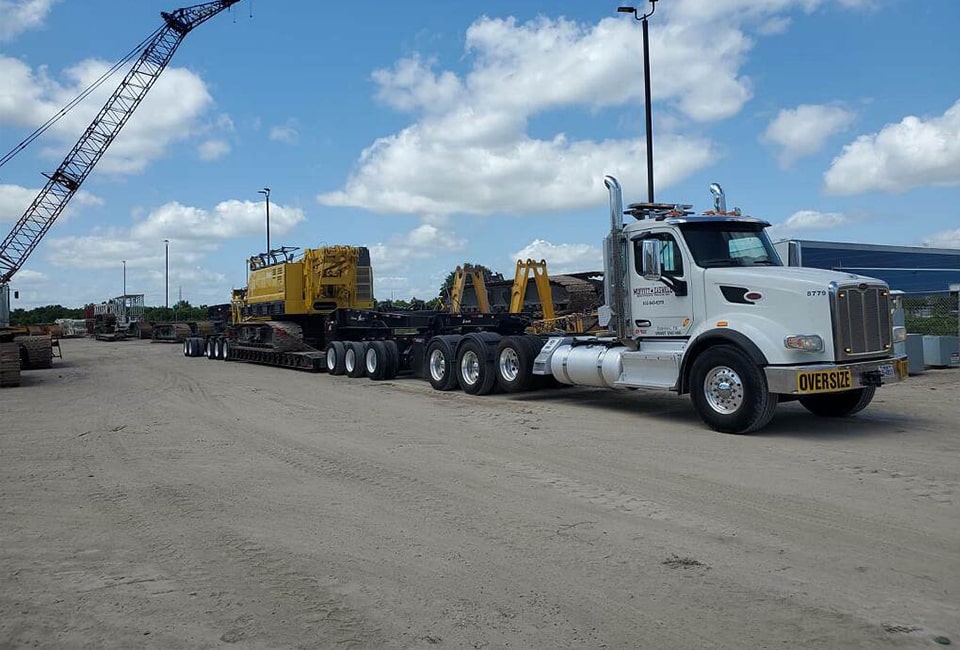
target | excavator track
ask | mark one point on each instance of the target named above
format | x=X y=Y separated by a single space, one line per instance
x=9 y=364
x=37 y=351
x=275 y=343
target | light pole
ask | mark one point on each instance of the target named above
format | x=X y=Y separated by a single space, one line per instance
x=646 y=88
x=166 y=274
x=124 y=279
x=266 y=192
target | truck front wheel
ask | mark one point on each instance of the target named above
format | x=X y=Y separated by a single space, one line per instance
x=838 y=405
x=730 y=392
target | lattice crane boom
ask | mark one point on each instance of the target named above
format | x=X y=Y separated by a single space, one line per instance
x=66 y=180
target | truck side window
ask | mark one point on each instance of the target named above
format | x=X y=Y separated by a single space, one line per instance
x=671 y=261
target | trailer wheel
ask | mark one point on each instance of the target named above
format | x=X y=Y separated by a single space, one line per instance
x=730 y=392
x=353 y=358
x=838 y=405
x=393 y=359
x=376 y=360
x=335 y=358
x=223 y=349
x=211 y=348
x=441 y=364
x=186 y=347
x=476 y=372
x=515 y=364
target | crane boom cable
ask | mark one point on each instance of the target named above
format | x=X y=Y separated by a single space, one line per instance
x=26 y=142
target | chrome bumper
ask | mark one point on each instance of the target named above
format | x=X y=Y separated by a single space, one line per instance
x=816 y=378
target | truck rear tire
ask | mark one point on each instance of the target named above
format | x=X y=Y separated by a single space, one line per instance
x=440 y=365
x=730 y=392
x=838 y=405
x=476 y=372
x=335 y=358
x=514 y=364
x=211 y=348
x=393 y=359
x=375 y=360
x=353 y=358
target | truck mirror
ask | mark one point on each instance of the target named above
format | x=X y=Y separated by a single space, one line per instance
x=651 y=259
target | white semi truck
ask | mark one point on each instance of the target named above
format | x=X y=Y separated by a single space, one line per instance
x=703 y=305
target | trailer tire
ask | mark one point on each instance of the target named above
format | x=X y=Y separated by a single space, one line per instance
x=393 y=359
x=375 y=360
x=440 y=365
x=211 y=345
x=353 y=358
x=476 y=371
x=729 y=391
x=335 y=358
x=223 y=350
x=838 y=405
x=514 y=364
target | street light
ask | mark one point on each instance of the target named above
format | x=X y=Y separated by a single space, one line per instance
x=166 y=274
x=124 y=278
x=646 y=81
x=266 y=192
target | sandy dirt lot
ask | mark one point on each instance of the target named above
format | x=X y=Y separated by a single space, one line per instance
x=150 y=500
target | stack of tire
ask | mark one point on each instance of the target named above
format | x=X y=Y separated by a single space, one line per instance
x=9 y=364
x=35 y=352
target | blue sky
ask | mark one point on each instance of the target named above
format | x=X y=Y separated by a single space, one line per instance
x=437 y=132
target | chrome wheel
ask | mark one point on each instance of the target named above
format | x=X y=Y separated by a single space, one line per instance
x=509 y=364
x=437 y=365
x=470 y=367
x=723 y=389
x=350 y=359
x=372 y=361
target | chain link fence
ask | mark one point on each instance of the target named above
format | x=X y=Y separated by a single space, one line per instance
x=934 y=314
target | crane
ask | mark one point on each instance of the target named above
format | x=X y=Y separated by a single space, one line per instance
x=76 y=166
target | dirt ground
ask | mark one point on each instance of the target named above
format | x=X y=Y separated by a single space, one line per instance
x=150 y=500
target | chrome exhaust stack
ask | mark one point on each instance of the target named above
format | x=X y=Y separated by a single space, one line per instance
x=614 y=266
x=719 y=198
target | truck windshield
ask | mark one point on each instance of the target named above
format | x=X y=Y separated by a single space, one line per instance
x=728 y=243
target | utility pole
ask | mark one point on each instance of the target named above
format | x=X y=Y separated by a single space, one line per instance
x=266 y=192
x=124 y=279
x=166 y=275
x=646 y=88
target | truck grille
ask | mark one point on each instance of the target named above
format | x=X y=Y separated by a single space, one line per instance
x=862 y=321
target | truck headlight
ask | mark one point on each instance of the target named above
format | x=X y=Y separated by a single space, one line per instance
x=899 y=333
x=804 y=343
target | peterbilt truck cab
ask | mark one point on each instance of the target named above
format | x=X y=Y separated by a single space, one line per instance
x=702 y=305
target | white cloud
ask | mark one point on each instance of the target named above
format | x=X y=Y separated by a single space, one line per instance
x=813 y=220
x=562 y=258
x=286 y=133
x=802 y=131
x=21 y=15
x=914 y=153
x=469 y=149
x=423 y=242
x=944 y=239
x=213 y=149
x=228 y=219
x=14 y=201
x=169 y=113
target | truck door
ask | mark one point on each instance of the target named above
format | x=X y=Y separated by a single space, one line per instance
x=661 y=307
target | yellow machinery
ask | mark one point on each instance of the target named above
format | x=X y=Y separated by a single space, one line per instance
x=540 y=278
x=286 y=302
x=322 y=280
x=460 y=277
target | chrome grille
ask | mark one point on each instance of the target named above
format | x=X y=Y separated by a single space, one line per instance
x=862 y=321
